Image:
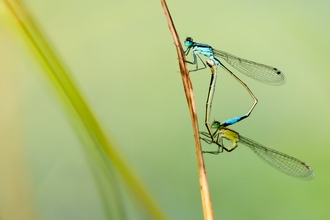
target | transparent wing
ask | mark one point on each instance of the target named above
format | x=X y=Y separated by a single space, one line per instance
x=282 y=162
x=257 y=71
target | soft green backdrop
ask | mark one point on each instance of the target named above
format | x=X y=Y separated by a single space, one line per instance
x=123 y=59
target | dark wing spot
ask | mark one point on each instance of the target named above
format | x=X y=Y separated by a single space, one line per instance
x=277 y=71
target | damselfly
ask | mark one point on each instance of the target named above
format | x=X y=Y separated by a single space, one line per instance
x=257 y=71
x=260 y=72
x=218 y=131
x=280 y=161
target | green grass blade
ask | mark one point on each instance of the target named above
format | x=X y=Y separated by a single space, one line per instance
x=96 y=144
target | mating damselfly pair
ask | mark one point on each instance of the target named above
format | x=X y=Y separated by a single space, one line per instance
x=218 y=131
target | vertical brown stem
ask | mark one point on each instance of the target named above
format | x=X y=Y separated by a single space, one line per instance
x=187 y=85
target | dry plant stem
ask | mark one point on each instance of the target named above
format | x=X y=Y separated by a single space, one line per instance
x=205 y=194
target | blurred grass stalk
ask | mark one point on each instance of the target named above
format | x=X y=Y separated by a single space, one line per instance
x=16 y=201
x=101 y=154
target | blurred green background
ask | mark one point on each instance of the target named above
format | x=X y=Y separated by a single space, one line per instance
x=122 y=57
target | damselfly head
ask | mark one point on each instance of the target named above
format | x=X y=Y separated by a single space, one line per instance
x=216 y=125
x=188 y=42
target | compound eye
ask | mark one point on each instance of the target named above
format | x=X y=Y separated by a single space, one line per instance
x=189 y=39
